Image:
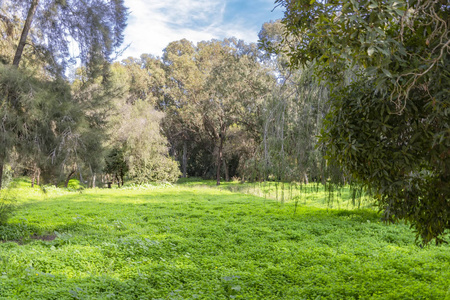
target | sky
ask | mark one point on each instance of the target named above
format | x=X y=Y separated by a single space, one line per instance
x=153 y=24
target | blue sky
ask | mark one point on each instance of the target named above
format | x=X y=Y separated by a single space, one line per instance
x=153 y=24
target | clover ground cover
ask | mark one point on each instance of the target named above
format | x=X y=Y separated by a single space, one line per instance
x=185 y=242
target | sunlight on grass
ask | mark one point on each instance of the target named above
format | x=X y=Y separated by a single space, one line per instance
x=188 y=242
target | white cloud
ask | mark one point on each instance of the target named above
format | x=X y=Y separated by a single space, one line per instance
x=153 y=24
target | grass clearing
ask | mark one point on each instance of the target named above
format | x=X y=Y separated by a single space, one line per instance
x=188 y=242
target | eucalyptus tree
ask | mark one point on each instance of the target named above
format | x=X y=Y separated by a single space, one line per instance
x=236 y=86
x=147 y=79
x=388 y=125
x=211 y=87
x=183 y=90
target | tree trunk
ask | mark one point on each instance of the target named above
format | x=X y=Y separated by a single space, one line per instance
x=118 y=180
x=34 y=176
x=66 y=184
x=93 y=180
x=219 y=158
x=282 y=166
x=225 y=168
x=184 y=162
x=25 y=30
x=266 y=150
x=1 y=173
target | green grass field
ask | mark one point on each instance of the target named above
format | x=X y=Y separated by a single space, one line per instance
x=192 y=242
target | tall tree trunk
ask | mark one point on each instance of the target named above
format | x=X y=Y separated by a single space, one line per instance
x=25 y=30
x=122 y=175
x=266 y=150
x=225 y=168
x=34 y=176
x=184 y=162
x=38 y=176
x=81 y=176
x=1 y=172
x=220 y=152
x=118 y=180
x=219 y=162
x=282 y=167
x=93 y=180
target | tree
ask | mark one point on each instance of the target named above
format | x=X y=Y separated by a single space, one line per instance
x=116 y=165
x=50 y=27
x=40 y=121
x=293 y=115
x=236 y=86
x=144 y=148
x=183 y=90
x=211 y=88
x=387 y=63
x=96 y=26
x=134 y=133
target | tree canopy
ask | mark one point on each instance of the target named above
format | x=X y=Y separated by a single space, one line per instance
x=50 y=27
x=387 y=64
x=43 y=117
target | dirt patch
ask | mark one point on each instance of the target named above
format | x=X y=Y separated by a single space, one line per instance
x=45 y=237
x=34 y=236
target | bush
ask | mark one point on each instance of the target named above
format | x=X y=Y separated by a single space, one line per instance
x=75 y=184
x=159 y=169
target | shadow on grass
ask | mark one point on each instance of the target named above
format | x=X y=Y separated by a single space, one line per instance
x=19 y=233
x=158 y=282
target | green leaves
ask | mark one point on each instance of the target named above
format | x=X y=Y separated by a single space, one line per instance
x=387 y=73
x=380 y=148
x=386 y=78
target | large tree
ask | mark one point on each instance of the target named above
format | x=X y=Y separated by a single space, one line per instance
x=136 y=144
x=183 y=90
x=27 y=103
x=48 y=29
x=212 y=88
x=236 y=86
x=388 y=64
x=95 y=26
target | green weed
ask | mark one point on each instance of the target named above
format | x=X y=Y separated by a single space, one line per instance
x=187 y=242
